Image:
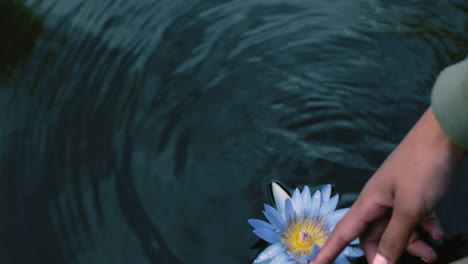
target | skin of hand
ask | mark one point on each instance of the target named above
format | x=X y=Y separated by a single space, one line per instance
x=400 y=197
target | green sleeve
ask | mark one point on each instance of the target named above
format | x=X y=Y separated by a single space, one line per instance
x=450 y=102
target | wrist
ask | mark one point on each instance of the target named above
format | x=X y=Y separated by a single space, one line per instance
x=437 y=142
x=446 y=143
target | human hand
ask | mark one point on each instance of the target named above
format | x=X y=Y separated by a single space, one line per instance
x=400 y=197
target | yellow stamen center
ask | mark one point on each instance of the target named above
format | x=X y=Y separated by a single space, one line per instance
x=301 y=235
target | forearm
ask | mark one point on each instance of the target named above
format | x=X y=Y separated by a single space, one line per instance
x=428 y=152
x=429 y=138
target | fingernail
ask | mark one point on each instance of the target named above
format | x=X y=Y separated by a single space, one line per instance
x=379 y=259
x=438 y=235
x=430 y=257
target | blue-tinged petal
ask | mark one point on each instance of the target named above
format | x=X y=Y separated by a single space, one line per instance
x=332 y=219
x=280 y=259
x=312 y=254
x=280 y=196
x=355 y=242
x=297 y=202
x=330 y=206
x=316 y=202
x=305 y=193
x=263 y=262
x=267 y=234
x=270 y=252
x=341 y=260
x=326 y=192
x=289 y=210
x=352 y=252
x=257 y=224
x=274 y=217
x=306 y=200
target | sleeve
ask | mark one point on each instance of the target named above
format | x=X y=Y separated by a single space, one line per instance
x=450 y=102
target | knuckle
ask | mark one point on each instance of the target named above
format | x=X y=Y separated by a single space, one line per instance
x=342 y=239
x=411 y=213
x=366 y=205
x=430 y=221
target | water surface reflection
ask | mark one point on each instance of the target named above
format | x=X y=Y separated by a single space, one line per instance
x=147 y=131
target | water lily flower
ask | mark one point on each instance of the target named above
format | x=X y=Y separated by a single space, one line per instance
x=299 y=226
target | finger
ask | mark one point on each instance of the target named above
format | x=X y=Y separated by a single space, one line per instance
x=349 y=228
x=432 y=226
x=371 y=237
x=370 y=249
x=421 y=249
x=395 y=237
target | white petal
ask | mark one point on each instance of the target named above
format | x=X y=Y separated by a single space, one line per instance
x=280 y=259
x=297 y=202
x=326 y=192
x=352 y=252
x=289 y=210
x=329 y=206
x=280 y=196
x=335 y=217
x=269 y=252
x=306 y=200
x=315 y=204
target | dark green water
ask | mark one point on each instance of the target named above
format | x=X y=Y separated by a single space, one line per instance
x=146 y=131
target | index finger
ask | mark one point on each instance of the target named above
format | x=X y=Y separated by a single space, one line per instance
x=349 y=228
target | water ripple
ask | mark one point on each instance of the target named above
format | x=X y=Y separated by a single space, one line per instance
x=147 y=131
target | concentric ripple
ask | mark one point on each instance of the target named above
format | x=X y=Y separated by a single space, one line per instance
x=147 y=131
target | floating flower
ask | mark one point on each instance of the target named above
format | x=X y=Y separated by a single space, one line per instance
x=299 y=226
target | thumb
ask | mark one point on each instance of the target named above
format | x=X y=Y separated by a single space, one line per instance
x=395 y=237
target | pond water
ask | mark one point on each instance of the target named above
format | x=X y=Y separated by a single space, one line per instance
x=147 y=131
